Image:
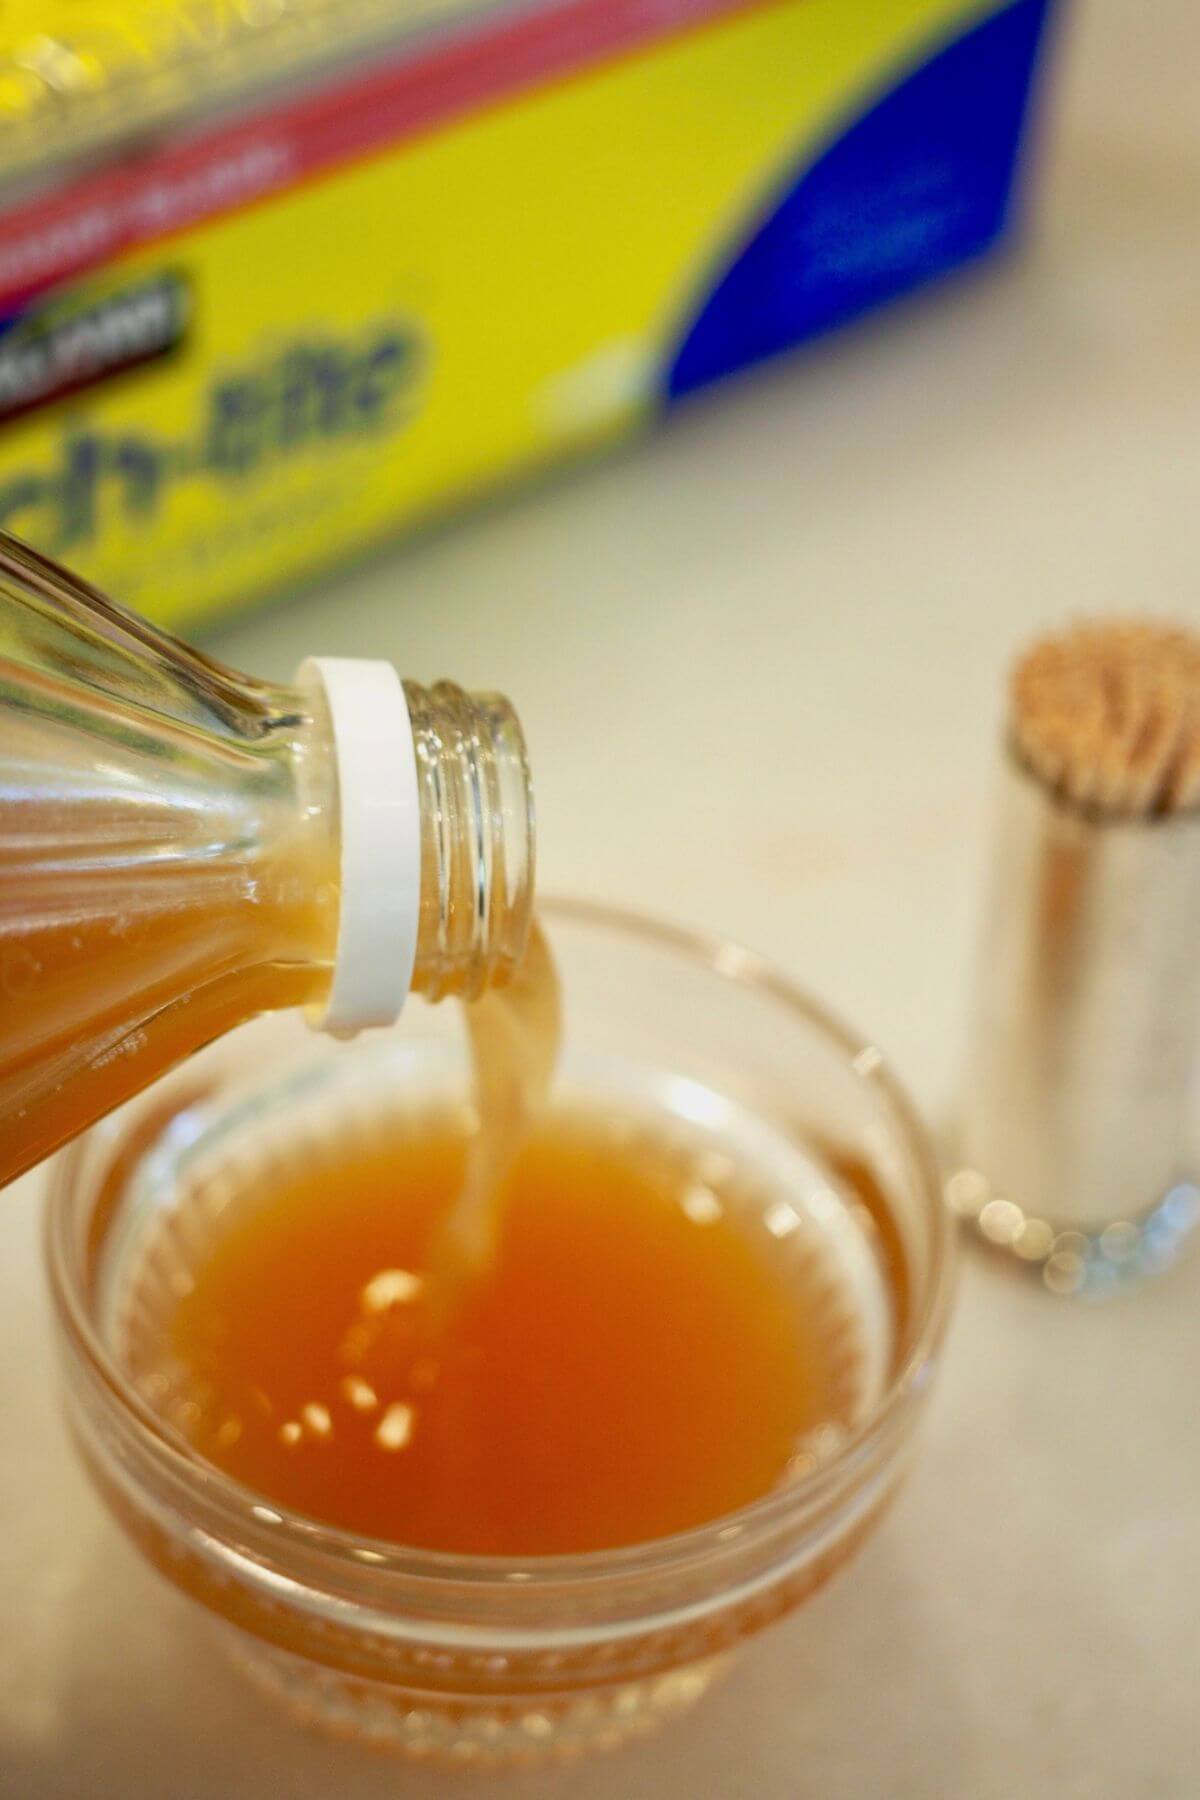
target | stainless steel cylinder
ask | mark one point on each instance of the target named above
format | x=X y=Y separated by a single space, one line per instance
x=1076 y=1126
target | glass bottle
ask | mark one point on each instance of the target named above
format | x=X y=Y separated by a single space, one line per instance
x=183 y=847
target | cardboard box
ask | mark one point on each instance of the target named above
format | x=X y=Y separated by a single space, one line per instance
x=274 y=298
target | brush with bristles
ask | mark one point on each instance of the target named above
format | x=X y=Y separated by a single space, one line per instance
x=1107 y=715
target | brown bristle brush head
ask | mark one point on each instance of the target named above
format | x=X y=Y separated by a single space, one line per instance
x=1107 y=716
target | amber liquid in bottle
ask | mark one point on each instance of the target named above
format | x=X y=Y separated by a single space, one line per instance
x=170 y=850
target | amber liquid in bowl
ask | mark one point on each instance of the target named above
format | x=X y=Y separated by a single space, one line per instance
x=516 y=1326
x=626 y=1365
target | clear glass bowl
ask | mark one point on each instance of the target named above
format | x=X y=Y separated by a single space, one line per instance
x=478 y=1659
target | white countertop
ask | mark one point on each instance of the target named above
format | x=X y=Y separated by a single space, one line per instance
x=758 y=660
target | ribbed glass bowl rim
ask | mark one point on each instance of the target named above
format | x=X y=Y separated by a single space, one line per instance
x=244 y=1507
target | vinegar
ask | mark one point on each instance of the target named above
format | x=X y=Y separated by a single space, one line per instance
x=518 y=1326
x=183 y=847
x=625 y=1363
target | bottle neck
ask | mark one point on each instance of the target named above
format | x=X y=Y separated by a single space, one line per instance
x=477 y=840
x=433 y=816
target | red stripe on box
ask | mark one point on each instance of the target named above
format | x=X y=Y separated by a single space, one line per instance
x=98 y=217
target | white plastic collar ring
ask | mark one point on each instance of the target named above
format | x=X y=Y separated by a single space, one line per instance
x=380 y=821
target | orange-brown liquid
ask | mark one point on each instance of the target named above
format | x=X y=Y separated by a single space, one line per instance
x=625 y=1362
x=105 y=986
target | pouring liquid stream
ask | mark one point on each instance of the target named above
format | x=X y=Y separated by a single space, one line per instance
x=514 y=1034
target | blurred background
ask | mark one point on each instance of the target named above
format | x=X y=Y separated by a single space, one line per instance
x=758 y=654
